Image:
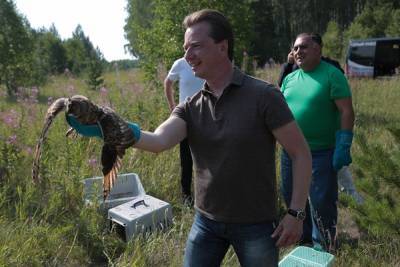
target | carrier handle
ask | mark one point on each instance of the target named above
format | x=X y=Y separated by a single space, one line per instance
x=138 y=203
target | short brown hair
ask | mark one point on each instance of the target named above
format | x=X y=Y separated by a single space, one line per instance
x=220 y=28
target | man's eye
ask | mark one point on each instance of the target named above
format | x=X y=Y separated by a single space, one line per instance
x=298 y=47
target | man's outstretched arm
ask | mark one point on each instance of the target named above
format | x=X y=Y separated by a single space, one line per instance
x=167 y=135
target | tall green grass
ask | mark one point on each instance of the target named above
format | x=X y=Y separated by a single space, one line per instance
x=48 y=224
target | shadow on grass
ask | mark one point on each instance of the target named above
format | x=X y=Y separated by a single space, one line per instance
x=348 y=240
x=365 y=119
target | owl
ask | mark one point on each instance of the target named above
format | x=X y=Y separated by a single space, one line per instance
x=117 y=135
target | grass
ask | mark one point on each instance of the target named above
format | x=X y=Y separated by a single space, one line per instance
x=48 y=225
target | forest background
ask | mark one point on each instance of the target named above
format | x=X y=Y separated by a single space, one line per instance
x=49 y=225
x=264 y=29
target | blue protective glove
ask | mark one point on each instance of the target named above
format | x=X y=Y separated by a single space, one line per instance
x=342 y=155
x=94 y=129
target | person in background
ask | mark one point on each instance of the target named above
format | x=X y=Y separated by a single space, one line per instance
x=319 y=96
x=232 y=126
x=291 y=65
x=188 y=86
x=345 y=178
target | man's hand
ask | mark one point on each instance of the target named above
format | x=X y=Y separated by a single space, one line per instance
x=290 y=57
x=342 y=154
x=94 y=130
x=289 y=231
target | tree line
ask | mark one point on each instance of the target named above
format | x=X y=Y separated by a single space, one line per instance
x=29 y=56
x=263 y=28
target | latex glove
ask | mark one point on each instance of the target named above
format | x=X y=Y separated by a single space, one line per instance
x=342 y=155
x=94 y=130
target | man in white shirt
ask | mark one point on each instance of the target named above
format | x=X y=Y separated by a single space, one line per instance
x=188 y=86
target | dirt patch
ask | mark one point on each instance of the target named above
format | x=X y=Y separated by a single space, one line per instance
x=347 y=229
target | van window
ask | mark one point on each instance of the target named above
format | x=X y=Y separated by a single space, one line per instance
x=363 y=55
x=388 y=53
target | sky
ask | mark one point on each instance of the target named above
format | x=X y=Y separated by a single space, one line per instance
x=102 y=21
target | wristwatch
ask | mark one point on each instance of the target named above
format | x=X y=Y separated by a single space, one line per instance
x=298 y=214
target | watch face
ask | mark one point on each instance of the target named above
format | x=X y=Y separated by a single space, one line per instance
x=299 y=214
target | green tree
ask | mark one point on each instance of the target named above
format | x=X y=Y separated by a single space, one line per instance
x=393 y=28
x=94 y=72
x=49 y=53
x=81 y=52
x=263 y=37
x=140 y=18
x=371 y=22
x=263 y=28
x=15 y=48
x=332 y=40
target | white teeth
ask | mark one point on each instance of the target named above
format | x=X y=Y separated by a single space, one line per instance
x=193 y=64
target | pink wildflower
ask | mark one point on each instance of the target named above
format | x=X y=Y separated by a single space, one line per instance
x=28 y=150
x=3 y=93
x=12 y=140
x=49 y=100
x=71 y=89
x=10 y=118
x=33 y=96
x=20 y=94
x=92 y=162
x=103 y=91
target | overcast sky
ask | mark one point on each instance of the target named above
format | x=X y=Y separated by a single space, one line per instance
x=102 y=20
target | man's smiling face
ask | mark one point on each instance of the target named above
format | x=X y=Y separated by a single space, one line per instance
x=201 y=51
x=307 y=53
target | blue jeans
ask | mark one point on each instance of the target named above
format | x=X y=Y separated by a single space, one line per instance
x=321 y=211
x=209 y=241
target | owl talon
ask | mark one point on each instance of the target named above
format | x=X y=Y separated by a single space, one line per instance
x=71 y=133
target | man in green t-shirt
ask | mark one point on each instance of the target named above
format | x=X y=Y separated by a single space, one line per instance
x=319 y=97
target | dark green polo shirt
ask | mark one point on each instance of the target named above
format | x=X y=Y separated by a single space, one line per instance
x=234 y=150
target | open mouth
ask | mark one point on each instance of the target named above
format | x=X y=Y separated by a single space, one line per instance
x=194 y=65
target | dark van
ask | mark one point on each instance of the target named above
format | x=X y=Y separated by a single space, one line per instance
x=373 y=57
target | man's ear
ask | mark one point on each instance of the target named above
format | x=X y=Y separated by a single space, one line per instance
x=317 y=47
x=224 y=46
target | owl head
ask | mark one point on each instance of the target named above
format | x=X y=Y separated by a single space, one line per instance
x=77 y=105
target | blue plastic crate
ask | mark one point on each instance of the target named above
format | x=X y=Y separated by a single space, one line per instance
x=307 y=257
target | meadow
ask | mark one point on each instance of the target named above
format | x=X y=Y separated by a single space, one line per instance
x=48 y=224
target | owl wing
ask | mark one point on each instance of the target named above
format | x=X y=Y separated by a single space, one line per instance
x=111 y=161
x=117 y=137
x=55 y=108
x=115 y=130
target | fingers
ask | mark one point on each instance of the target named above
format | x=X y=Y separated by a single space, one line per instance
x=286 y=239
x=290 y=58
x=289 y=231
x=277 y=231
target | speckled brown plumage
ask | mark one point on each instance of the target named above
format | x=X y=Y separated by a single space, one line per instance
x=117 y=135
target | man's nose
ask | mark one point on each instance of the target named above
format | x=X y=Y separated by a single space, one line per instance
x=297 y=52
x=188 y=54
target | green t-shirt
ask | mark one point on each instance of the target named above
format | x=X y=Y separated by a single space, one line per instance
x=311 y=98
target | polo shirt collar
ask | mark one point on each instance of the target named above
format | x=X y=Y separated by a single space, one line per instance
x=237 y=79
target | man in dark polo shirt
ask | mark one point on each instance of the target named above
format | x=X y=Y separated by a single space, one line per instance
x=232 y=126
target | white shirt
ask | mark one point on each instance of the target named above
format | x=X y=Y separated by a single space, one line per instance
x=188 y=83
